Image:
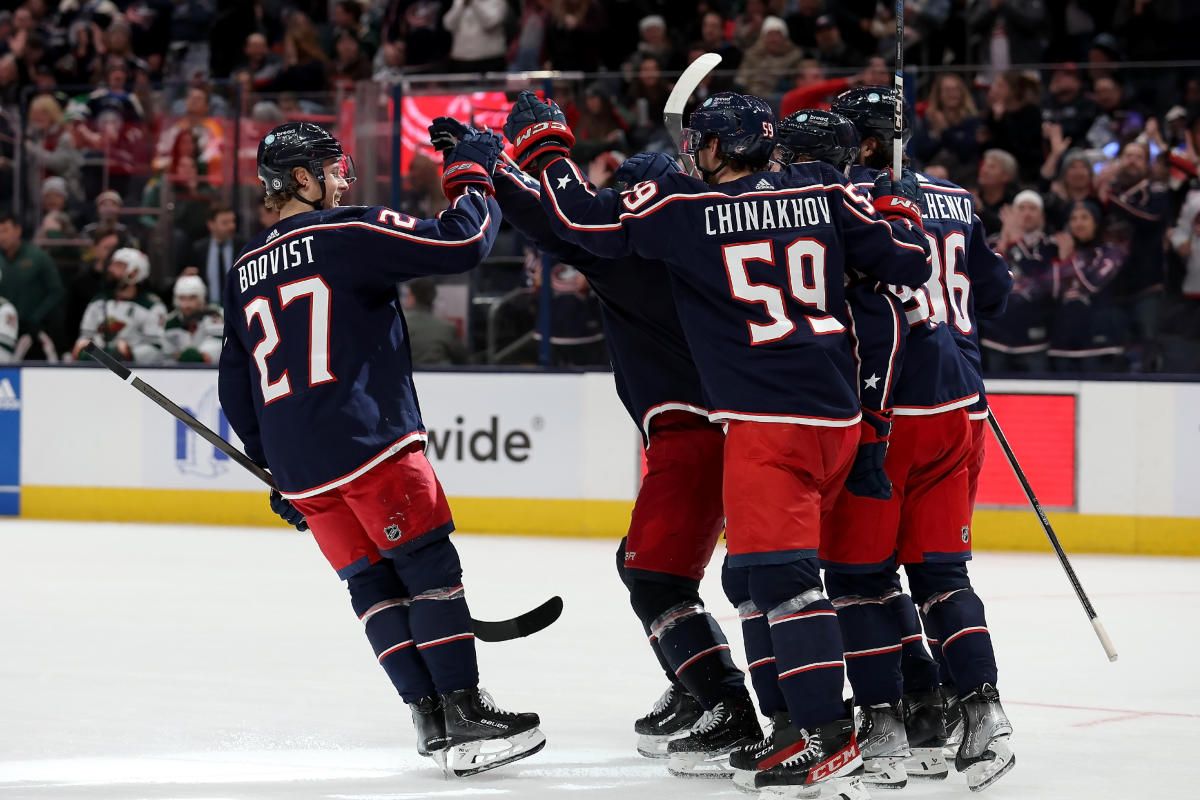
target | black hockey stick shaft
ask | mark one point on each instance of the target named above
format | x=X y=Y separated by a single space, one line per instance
x=488 y=631
x=1088 y=609
x=898 y=124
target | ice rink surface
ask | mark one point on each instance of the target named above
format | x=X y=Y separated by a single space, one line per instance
x=156 y=662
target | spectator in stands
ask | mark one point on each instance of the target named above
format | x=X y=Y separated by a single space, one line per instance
x=425 y=197
x=305 y=65
x=995 y=186
x=125 y=319
x=1085 y=332
x=477 y=32
x=712 y=37
x=948 y=133
x=1104 y=55
x=260 y=66
x=1185 y=239
x=653 y=42
x=109 y=208
x=30 y=281
x=1007 y=32
x=648 y=95
x=596 y=122
x=50 y=145
x=349 y=17
x=575 y=34
x=1018 y=341
x=1142 y=204
x=413 y=29
x=1074 y=182
x=433 y=340
x=525 y=51
x=350 y=64
x=1013 y=121
x=90 y=278
x=56 y=224
x=802 y=23
x=813 y=89
x=211 y=257
x=206 y=134
x=81 y=59
x=195 y=327
x=9 y=325
x=769 y=64
x=1117 y=121
x=1067 y=104
x=832 y=50
x=748 y=25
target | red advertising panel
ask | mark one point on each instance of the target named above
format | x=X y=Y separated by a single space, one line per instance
x=1041 y=431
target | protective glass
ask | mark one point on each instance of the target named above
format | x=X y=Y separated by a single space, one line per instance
x=344 y=168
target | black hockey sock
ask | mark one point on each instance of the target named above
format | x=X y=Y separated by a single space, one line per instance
x=756 y=636
x=439 y=617
x=917 y=665
x=954 y=617
x=872 y=641
x=935 y=649
x=646 y=616
x=696 y=648
x=379 y=599
x=805 y=637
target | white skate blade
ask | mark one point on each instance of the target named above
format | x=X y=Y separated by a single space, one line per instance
x=697 y=765
x=656 y=746
x=851 y=788
x=472 y=758
x=885 y=773
x=927 y=763
x=983 y=774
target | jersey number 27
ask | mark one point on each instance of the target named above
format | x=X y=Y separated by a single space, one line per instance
x=317 y=292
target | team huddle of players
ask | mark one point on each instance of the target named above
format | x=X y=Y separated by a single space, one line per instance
x=793 y=331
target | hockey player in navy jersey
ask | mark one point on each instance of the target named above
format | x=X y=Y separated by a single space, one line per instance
x=757 y=260
x=925 y=525
x=678 y=514
x=316 y=379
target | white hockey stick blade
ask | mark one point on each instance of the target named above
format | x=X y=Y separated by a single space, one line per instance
x=695 y=73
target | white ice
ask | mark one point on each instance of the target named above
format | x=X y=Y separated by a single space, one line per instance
x=163 y=662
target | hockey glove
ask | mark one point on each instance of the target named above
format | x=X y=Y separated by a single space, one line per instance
x=538 y=132
x=470 y=164
x=287 y=512
x=643 y=167
x=900 y=198
x=445 y=132
x=867 y=477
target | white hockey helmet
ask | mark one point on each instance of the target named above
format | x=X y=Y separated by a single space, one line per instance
x=137 y=266
x=190 y=286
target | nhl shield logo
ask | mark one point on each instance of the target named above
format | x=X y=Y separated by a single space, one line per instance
x=392 y=532
x=966 y=534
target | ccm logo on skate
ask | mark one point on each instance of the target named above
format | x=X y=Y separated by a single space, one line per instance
x=831 y=767
x=486 y=444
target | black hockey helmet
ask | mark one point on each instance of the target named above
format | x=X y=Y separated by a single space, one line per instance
x=299 y=144
x=872 y=109
x=817 y=135
x=743 y=124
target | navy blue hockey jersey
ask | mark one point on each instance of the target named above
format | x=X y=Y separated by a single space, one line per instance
x=652 y=365
x=315 y=374
x=759 y=270
x=968 y=280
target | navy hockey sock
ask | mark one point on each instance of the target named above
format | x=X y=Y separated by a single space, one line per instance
x=439 y=617
x=935 y=648
x=954 y=616
x=756 y=636
x=917 y=665
x=628 y=580
x=382 y=604
x=871 y=633
x=696 y=648
x=805 y=637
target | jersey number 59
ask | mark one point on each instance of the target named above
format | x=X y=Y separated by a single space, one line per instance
x=805 y=260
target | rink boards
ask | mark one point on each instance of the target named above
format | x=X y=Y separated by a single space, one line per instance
x=1118 y=463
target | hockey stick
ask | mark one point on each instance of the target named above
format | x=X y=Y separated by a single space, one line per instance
x=1088 y=609
x=696 y=72
x=898 y=92
x=487 y=631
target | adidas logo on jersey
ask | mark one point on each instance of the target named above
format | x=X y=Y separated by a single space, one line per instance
x=8 y=396
x=763 y=184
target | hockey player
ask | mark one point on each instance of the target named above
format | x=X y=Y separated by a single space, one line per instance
x=316 y=379
x=678 y=515
x=194 y=329
x=126 y=318
x=925 y=525
x=8 y=331
x=757 y=264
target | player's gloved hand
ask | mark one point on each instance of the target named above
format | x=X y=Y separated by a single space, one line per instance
x=287 y=512
x=445 y=132
x=867 y=477
x=470 y=163
x=538 y=132
x=898 y=198
x=643 y=167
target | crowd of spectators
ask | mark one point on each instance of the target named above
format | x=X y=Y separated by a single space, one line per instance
x=118 y=118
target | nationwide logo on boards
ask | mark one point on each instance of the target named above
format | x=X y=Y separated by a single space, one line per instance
x=8 y=396
x=485 y=443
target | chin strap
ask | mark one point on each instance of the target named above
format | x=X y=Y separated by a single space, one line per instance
x=710 y=175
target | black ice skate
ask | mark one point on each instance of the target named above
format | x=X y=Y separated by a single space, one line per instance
x=671 y=718
x=984 y=755
x=792 y=762
x=704 y=753
x=430 y=721
x=480 y=736
x=884 y=745
x=925 y=724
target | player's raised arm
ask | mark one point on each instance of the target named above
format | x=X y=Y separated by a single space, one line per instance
x=884 y=237
x=991 y=279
